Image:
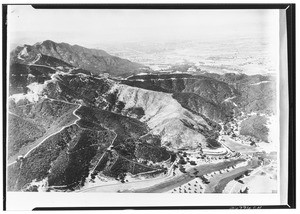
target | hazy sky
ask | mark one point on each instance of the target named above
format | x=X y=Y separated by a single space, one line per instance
x=90 y=27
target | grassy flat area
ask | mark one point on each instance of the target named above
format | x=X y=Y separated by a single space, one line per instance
x=261 y=180
x=236 y=146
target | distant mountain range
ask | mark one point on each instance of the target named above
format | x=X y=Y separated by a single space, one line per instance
x=94 y=60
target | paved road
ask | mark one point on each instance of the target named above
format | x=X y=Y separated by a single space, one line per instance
x=184 y=178
x=169 y=182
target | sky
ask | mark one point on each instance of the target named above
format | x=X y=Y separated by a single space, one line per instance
x=27 y=25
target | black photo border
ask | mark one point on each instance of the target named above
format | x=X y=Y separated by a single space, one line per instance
x=291 y=45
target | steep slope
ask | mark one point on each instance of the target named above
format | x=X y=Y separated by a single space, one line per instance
x=256 y=93
x=160 y=111
x=94 y=60
x=178 y=127
x=21 y=132
x=216 y=96
x=255 y=126
x=73 y=142
x=31 y=122
x=61 y=144
x=204 y=95
x=203 y=106
x=22 y=75
x=258 y=97
x=64 y=159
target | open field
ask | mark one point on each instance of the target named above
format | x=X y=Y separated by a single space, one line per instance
x=259 y=181
x=236 y=146
x=194 y=186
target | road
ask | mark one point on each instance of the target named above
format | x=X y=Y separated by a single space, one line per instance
x=38 y=56
x=235 y=145
x=128 y=185
x=166 y=182
x=45 y=66
x=105 y=151
x=78 y=118
x=260 y=82
x=184 y=178
x=163 y=184
x=24 y=156
x=217 y=152
x=218 y=182
x=124 y=186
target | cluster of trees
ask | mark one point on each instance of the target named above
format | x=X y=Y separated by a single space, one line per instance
x=151 y=152
x=255 y=126
x=204 y=180
x=21 y=132
x=188 y=188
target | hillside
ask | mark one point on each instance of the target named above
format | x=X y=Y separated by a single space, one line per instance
x=204 y=95
x=160 y=111
x=256 y=93
x=216 y=96
x=255 y=126
x=94 y=60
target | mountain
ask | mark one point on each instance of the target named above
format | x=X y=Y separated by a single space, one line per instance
x=213 y=95
x=256 y=93
x=68 y=126
x=202 y=94
x=94 y=60
x=76 y=119
x=160 y=111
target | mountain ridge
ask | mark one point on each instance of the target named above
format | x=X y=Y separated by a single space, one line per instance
x=95 y=60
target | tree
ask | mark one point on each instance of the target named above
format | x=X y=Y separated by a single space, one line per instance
x=193 y=163
x=182 y=169
x=165 y=170
x=181 y=161
x=245 y=191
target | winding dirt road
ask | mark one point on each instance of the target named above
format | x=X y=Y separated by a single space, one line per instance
x=78 y=118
